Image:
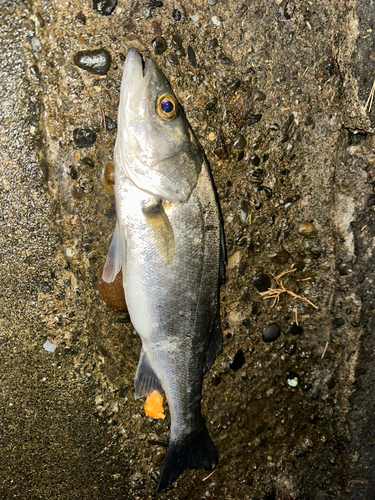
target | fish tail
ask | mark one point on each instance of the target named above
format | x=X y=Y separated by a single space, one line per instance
x=193 y=451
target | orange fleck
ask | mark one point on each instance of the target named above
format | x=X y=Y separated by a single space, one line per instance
x=154 y=405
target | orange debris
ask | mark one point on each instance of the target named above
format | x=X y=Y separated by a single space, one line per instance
x=154 y=405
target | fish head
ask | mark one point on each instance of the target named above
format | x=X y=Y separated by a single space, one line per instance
x=155 y=147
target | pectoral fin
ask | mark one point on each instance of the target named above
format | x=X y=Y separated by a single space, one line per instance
x=158 y=222
x=145 y=381
x=116 y=255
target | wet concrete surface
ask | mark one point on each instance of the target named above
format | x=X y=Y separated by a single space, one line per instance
x=292 y=418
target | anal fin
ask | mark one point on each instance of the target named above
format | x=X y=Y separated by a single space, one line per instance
x=146 y=380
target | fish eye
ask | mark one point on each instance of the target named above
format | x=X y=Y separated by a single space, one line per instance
x=167 y=107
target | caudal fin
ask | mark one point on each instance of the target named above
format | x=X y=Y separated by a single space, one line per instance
x=194 y=451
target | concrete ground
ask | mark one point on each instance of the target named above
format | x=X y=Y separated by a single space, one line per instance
x=276 y=93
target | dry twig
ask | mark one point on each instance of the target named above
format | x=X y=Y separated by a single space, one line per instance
x=209 y=475
x=370 y=98
x=274 y=293
x=325 y=350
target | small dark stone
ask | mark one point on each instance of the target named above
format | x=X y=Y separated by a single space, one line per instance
x=176 y=42
x=34 y=70
x=72 y=172
x=181 y=52
x=309 y=121
x=216 y=379
x=299 y=265
x=271 y=332
x=172 y=58
x=84 y=137
x=104 y=7
x=223 y=58
x=246 y=323
x=96 y=61
x=238 y=360
x=252 y=119
x=261 y=282
x=258 y=173
x=292 y=199
x=258 y=206
x=192 y=58
x=370 y=200
x=295 y=329
x=220 y=148
x=343 y=268
x=88 y=161
x=338 y=322
x=255 y=160
x=281 y=257
x=315 y=254
x=224 y=324
x=255 y=309
x=213 y=44
x=110 y=124
x=240 y=156
x=239 y=142
x=159 y=45
x=267 y=191
x=176 y=14
x=156 y=28
x=286 y=171
x=299 y=453
x=210 y=106
x=154 y=4
x=81 y=18
x=270 y=495
x=290 y=347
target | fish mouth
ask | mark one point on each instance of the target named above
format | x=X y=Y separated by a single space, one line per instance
x=136 y=81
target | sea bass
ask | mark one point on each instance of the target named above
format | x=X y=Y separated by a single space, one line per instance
x=169 y=243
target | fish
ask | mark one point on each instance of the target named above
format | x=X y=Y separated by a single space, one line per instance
x=169 y=243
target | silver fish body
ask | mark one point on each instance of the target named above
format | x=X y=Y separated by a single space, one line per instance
x=169 y=244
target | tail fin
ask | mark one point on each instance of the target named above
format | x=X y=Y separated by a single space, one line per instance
x=194 y=451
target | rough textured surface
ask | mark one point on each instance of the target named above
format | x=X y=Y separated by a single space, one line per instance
x=69 y=425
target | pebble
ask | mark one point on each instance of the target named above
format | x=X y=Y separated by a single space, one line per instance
x=343 y=268
x=176 y=14
x=84 y=137
x=158 y=456
x=246 y=323
x=216 y=20
x=261 y=282
x=72 y=171
x=220 y=148
x=308 y=230
x=88 y=161
x=176 y=42
x=281 y=257
x=111 y=293
x=81 y=18
x=295 y=329
x=338 y=322
x=292 y=379
x=49 y=346
x=239 y=142
x=34 y=70
x=211 y=3
x=270 y=495
x=224 y=58
x=104 y=7
x=159 y=45
x=132 y=40
x=271 y=332
x=370 y=200
x=86 y=184
x=238 y=360
x=192 y=58
x=172 y=58
x=213 y=44
x=290 y=347
x=155 y=4
x=96 y=61
x=110 y=124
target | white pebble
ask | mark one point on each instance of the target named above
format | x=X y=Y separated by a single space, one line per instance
x=49 y=347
